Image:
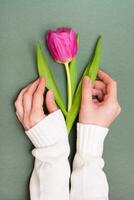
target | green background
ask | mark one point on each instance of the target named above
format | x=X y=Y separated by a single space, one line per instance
x=22 y=24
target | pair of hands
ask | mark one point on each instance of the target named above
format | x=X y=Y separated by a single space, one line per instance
x=101 y=111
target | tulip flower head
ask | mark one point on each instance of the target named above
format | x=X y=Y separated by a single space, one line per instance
x=62 y=44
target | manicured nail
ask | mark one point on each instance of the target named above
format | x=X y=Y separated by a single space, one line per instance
x=50 y=93
x=86 y=80
x=42 y=79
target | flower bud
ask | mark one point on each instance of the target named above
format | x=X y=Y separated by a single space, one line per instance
x=62 y=44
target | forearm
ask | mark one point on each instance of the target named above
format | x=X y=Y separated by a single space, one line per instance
x=50 y=177
x=88 y=180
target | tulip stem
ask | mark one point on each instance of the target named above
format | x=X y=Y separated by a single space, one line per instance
x=69 y=90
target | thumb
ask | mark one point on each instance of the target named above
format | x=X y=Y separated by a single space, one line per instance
x=50 y=102
x=86 y=91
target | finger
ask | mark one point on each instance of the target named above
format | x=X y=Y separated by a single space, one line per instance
x=38 y=97
x=111 y=87
x=98 y=94
x=100 y=85
x=19 y=102
x=86 y=91
x=27 y=98
x=18 y=116
x=50 y=102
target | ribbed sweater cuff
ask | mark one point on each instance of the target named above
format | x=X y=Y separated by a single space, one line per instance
x=90 y=139
x=49 y=130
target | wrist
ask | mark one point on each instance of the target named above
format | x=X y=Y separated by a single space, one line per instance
x=90 y=139
x=49 y=130
x=102 y=123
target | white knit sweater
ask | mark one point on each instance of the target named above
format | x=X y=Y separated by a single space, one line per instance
x=51 y=173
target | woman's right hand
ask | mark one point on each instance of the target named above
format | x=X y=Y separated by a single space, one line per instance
x=29 y=103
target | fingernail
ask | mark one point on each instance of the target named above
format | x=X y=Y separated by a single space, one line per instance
x=50 y=93
x=42 y=79
x=86 y=80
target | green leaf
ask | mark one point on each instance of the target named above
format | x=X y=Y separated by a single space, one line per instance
x=91 y=70
x=80 y=82
x=73 y=75
x=45 y=71
x=96 y=61
x=73 y=70
x=78 y=39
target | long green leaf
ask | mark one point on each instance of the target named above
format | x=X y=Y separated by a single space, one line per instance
x=44 y=70
x=73 y=70
x=91 y=70
x=73 y=75
x=96 y=61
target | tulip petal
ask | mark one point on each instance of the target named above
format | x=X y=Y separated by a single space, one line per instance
x=45 y=71
x=91 y=70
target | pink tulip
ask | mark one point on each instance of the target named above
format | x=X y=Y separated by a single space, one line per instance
x=62 y=44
